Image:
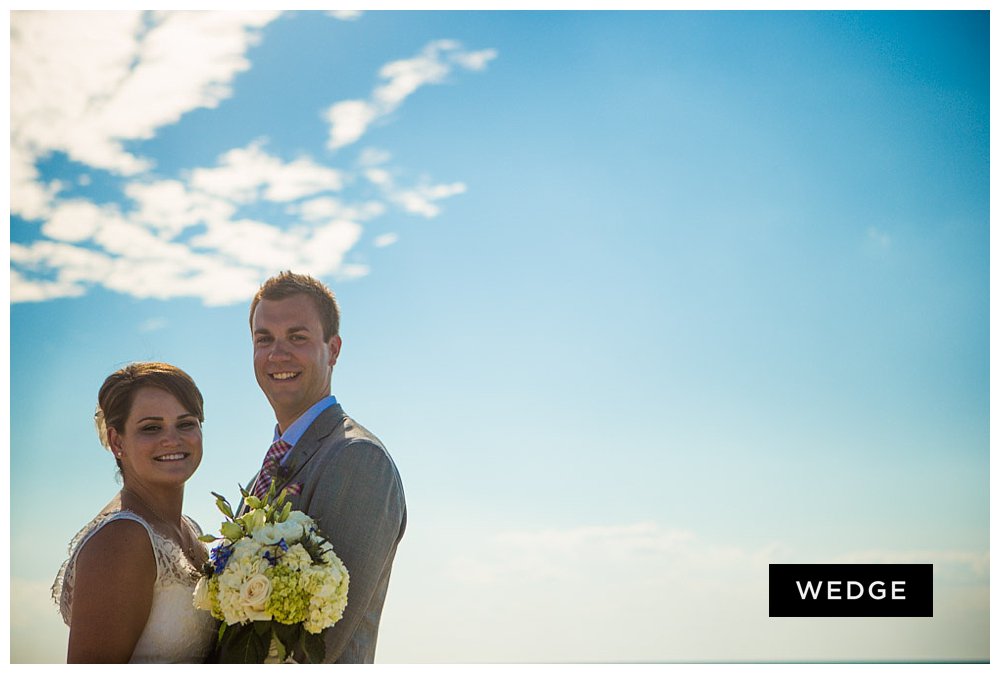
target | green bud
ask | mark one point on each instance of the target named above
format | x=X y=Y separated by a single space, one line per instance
x=223 y=505
x=253 y=520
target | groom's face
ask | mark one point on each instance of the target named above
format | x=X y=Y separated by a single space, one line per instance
x=291 y=360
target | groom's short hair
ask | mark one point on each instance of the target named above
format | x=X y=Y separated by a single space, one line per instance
x=287 y=284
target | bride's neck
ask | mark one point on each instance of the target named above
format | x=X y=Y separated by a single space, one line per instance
x=164 y=503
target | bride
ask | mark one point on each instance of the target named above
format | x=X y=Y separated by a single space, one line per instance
x=126 y=589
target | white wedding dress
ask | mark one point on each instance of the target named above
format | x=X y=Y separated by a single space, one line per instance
x=176 y=631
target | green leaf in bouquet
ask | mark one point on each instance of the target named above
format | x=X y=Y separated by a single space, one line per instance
x=313 y=646
x=243 y=647
x=232 y=531
x=208 y=538
x=288 y=635
x=243 y=492
x=253 y=502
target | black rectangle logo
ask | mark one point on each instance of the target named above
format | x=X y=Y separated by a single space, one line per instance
x=850 y=590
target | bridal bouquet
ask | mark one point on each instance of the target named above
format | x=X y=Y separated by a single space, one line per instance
x=273 y=580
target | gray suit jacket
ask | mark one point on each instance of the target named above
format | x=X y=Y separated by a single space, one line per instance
x=351 y=487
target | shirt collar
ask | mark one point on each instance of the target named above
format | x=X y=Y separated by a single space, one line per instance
x=298 y=427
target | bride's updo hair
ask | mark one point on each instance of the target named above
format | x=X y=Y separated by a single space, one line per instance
x=114 y=401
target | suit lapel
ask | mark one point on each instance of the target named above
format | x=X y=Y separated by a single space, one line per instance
x=310 y=442
x=304 y=450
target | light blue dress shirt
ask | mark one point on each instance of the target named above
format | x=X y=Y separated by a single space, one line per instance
x=298 y=427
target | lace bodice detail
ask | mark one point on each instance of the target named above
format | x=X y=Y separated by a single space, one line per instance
x=175 y=631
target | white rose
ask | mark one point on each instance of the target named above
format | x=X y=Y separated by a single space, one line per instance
x=253 y=596
x=268 y=534
x=290 y=530
x=201 y=595
x=243 y=549
x=299 y=518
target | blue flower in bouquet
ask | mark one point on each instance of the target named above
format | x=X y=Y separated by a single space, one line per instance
x=219 y=557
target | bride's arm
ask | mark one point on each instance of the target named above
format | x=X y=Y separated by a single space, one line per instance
x=112 y=594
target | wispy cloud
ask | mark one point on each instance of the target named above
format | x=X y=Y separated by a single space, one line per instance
x=387 y=239
x=153 y=324
x=87 y=83
x=877 y=238
x=249 y=174
x=644 y=592
x=417 y=199
x=349 y=120
x=37 y=632
x=346 y=14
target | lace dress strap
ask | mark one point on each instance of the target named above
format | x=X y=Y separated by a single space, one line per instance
x=62 y=588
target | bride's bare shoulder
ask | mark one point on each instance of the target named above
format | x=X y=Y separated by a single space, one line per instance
x=121 y=543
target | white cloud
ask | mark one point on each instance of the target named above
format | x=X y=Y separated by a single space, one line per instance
x=324 y=251
x=349 y=120
x=87 y=81
x=329 y=208
x=420 y=199
x=72 y=267
x=878 y=238
x=345 y=14
x=34 y=290
x=28 y=197
x=475 y=60
x=153 y=324
x=169 y=207
x=403 y=77
x=372 y=156
x=37 y=632
x=383 y=240
x=352 y=271
x=246 y=174
x=378 y=176
x=76 y=220
x=643 y=592
x=251 y=243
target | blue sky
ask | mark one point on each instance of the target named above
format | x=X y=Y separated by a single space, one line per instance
x=639 y=302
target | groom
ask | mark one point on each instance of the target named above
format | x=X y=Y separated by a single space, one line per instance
x=340 y=473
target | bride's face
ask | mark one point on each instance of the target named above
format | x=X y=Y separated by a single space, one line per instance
x=160 y=442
